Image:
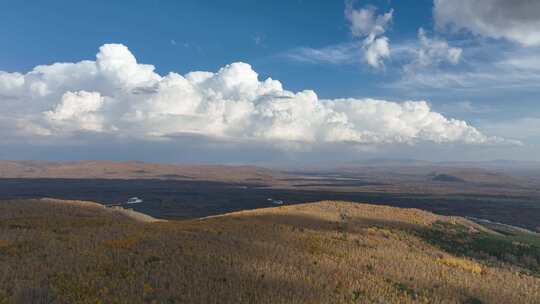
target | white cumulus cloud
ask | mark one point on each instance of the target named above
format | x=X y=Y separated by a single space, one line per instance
x=78 y=109
x=514 y=20
x=117 y=95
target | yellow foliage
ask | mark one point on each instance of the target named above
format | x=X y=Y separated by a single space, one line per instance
x=148 y=289
x=380 y=231
x=315 y=245
x=124 y=243
x=462 y=263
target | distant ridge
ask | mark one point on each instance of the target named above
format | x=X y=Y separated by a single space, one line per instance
x=503 y=163
x=132 y=170
x=411 y=162
x=447 y=178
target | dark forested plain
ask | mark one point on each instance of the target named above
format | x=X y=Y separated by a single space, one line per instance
x=508 y=196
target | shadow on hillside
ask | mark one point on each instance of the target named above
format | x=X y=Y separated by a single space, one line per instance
x=55 y=256
x=353 y=224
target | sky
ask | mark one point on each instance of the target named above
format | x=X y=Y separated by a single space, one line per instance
x=269 y=81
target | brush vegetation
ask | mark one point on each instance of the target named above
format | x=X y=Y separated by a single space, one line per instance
x=325 y=252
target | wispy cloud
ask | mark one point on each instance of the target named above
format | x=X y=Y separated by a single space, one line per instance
x=259 y=39
x=346 y=53
x=485 y=69
x=522 y=128
x=429 y=52
x=461 y=107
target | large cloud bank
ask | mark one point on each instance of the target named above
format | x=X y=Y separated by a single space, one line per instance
x=515 y=20
x=118 y=96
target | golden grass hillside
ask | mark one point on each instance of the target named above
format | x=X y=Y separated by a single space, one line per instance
x=325 y=252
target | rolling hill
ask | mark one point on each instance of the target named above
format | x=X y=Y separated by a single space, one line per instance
x=326 y=252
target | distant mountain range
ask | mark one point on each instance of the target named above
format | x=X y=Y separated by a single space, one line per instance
x=472 y=164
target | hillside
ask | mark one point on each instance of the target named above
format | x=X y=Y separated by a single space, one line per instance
x=325 y=252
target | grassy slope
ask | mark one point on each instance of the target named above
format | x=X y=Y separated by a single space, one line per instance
x=326 y=252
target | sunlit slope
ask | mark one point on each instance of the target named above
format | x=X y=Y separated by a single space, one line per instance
x=325 y=252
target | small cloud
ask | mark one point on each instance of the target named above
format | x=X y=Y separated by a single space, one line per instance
x=432 y=52
x=173 y=42
x=365 y=24
x=372 y=49
x=258 y=39
x=376 y=49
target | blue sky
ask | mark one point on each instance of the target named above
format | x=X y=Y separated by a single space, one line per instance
x=468 y=66
x=193 y=35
